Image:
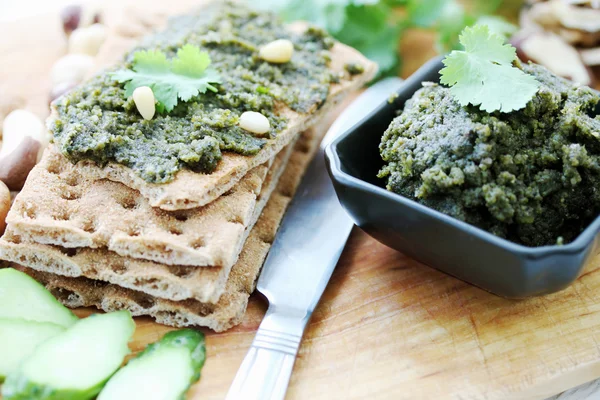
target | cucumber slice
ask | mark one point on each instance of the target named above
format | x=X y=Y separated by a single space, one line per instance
x=163 y=371
x=19 y=338
x=75 y=364
x=23 y=297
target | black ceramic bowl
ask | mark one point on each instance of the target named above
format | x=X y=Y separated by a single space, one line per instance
x=452 y=246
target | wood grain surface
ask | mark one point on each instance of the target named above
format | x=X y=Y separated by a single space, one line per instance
x=387 y=327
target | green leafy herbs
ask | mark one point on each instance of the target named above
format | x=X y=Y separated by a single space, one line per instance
x=426 y=13
x=498 y=25
x=483 y=73
x=183 y=77
x=453 y=18
x=375 y=27
x=370 y=26
x=370 y=29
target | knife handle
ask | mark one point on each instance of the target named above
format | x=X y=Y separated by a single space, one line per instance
x=266 y=370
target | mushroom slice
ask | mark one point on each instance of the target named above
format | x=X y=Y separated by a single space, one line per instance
x=590 y=57
x=591 y=3
x=540 y=13
x=571 y=16
x=558 y=56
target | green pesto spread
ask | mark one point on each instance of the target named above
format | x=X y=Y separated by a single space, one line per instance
x=96 y=121
x=354 y=68
x=531 y=176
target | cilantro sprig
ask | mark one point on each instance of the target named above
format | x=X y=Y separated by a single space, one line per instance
x=483 y=73
x=181 y=78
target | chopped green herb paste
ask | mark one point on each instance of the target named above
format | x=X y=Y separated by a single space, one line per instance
x=531 y=176
x=96 y=121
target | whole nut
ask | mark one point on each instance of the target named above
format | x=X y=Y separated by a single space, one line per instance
x=60 y=89
x=143 y=97
x=90 y=15
x=87 y=40
x=8 y=103
x=70 y=17
x=278 y=51
x=75 y=16
x=71 y=68
x=4 y=206
x=24 y=138
x=254 y=122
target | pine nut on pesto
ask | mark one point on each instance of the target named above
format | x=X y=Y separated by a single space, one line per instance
x=96 y=122
x=531 y=176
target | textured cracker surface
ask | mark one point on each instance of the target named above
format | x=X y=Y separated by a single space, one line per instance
x=190 y=189
x=230 y=309
x=174 y=282
x=60 y=206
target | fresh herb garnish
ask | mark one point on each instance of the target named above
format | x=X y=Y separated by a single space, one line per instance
x=369 y=26
x=183 y=77
x=375 y=27
x=498 y=25
x=483 y=74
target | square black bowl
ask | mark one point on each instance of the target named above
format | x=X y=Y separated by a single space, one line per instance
x=447 y=244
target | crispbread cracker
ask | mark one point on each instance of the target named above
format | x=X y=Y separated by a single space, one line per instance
x=58 y=206
x=170 y=282
x=229 y=311
x=190 y=189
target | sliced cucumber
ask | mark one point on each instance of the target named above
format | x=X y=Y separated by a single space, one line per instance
x=19 y=338
x=23 y=297
x=163 y=371
x=75 y=364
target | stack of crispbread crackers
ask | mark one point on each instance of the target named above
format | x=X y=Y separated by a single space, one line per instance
x=186 y=252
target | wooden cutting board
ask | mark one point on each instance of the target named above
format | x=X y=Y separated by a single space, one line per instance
x=387 y=327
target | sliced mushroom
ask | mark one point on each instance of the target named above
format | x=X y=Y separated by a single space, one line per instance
x=590 y=57
x=591 y=3
x=576 y=24
x=543 y=14
x=579 y=37
x=554 y=53
x=571 y=16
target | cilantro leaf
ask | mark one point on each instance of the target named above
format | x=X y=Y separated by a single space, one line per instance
x=368 y=29
x=483 y=73
x=453 y=20
x=183 y=77
x=498 y=25
x=328 y=14
x=425 y=13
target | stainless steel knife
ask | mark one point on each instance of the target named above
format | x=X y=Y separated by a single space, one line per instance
x=307 y=247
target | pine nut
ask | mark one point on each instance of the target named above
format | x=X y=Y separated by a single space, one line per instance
x=278 y=51
x=143 y=97
x=254 y=122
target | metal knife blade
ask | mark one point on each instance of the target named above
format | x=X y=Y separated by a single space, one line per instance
x=307 y=247
x=315 y=228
